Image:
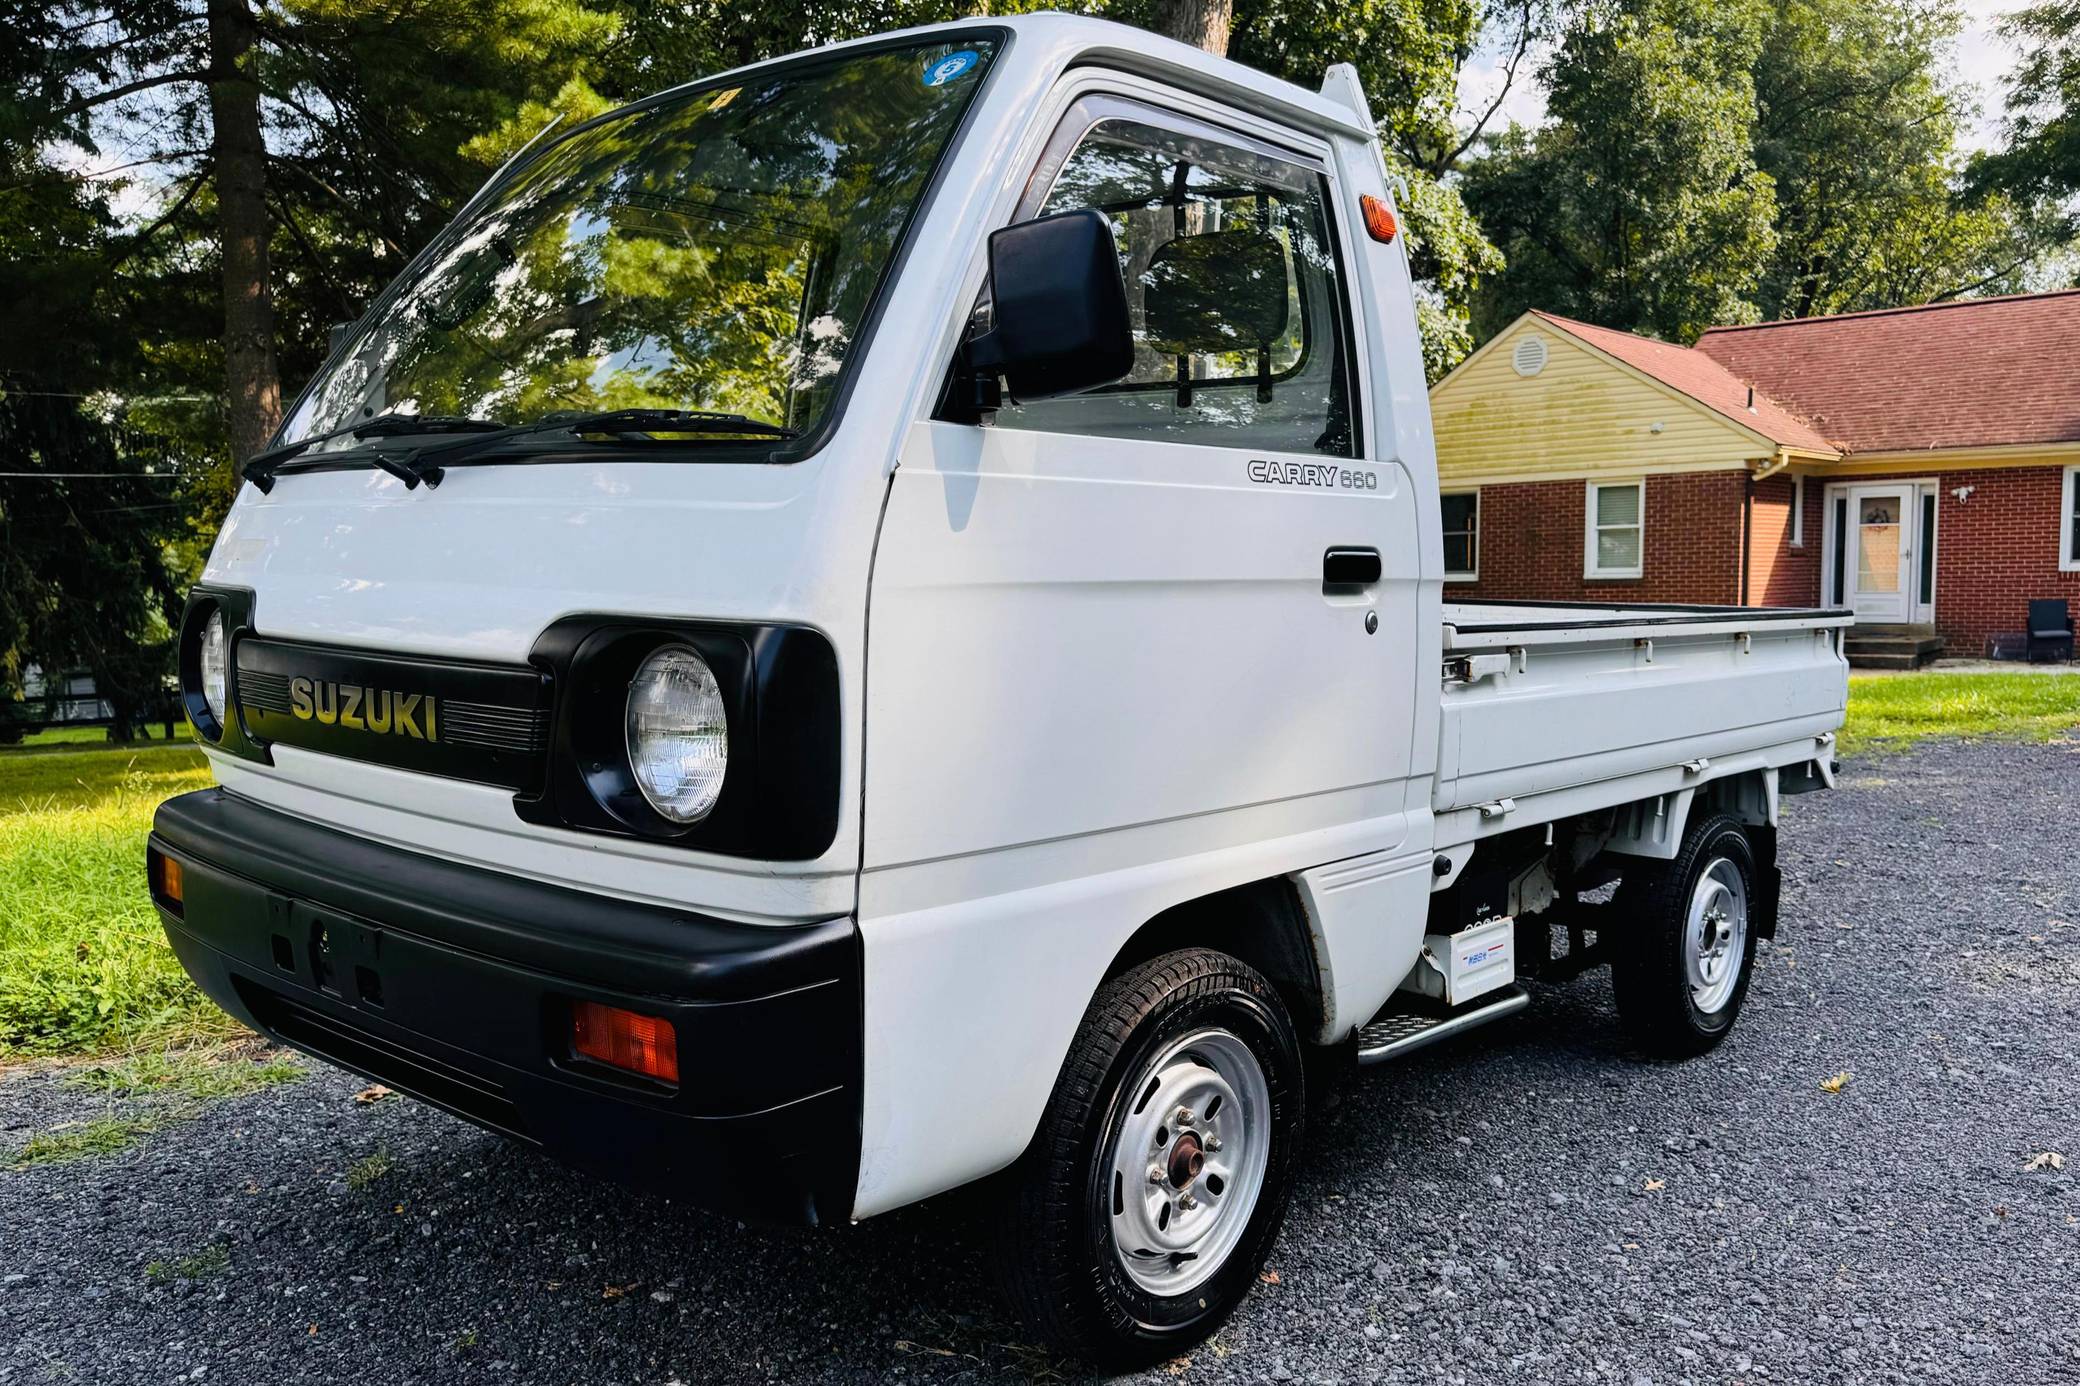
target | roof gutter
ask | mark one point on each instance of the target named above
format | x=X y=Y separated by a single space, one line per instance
x=1772 y=467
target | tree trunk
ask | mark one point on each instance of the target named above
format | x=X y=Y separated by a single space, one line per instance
x=1201 y=23
x=253 y=385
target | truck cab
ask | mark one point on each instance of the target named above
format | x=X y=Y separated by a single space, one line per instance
x=875 y=621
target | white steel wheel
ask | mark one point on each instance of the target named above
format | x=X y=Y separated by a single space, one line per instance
x=1683 y=944
x=1715 y=938
x=1159 y=1176
x=1188 y=1161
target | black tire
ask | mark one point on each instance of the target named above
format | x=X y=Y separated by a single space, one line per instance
x=1056 y=1249
x=1650 y=973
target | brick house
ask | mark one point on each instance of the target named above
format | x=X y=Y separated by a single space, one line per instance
x=1916 y=465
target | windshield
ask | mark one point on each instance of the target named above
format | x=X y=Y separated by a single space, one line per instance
x=714 y=251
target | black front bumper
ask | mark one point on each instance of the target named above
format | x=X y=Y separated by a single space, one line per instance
x=454 y=984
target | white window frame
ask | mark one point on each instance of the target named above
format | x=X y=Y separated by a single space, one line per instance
x=1798 y=512
x=1590 y=571
x=2068 y=558
x=1474 y=573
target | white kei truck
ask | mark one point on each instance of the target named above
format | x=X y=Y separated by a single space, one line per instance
x=876 y=621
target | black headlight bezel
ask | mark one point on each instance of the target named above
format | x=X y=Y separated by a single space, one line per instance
x=235 y=605
x=779 y=684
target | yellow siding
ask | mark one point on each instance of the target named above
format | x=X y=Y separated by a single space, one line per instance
x=1583 y=415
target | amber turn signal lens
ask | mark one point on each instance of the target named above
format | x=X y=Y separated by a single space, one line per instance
x=1380 y=222
x=164 y=873
x=642 y=1044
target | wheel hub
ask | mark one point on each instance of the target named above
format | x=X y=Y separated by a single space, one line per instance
x=1187 y=1159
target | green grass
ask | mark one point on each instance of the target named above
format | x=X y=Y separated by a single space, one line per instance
x=201 y=1073
x=369 y=1170
x=82 y=738
x=207 y=1262
x=1892 y=712
x=84 y=965
x=80 y=1140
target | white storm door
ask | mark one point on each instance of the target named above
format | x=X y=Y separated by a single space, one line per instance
x=1881 y=553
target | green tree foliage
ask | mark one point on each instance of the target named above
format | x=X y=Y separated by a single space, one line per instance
x=1409 y=55
x=2040 y=163
x=1639 y=205
x=1857 y=125
x=1707 y=163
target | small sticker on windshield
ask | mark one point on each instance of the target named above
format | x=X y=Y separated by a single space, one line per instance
x=939 y=73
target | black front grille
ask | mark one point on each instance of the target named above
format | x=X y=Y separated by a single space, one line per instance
x=480 y=722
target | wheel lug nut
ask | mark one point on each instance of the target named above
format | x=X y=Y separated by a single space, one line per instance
x=1157 y=1174
x=1187 y=1202
x=1213 y=1143
x=1184 y=1116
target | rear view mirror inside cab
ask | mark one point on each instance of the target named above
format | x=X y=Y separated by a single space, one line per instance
x=1059 y=313
x=1222 y=293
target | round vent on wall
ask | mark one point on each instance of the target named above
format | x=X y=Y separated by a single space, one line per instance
x=1530 y=355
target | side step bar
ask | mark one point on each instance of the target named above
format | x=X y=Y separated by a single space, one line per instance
x=1388 y=1036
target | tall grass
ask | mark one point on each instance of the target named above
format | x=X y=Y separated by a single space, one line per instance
x=84 y=966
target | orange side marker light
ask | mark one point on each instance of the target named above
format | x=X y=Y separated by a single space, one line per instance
x=164 y=873
x=1380 y=222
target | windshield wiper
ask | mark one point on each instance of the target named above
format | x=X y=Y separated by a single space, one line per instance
x=261 y=466
x=430 y=462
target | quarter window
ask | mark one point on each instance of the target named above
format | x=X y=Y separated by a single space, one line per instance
x=1616 y=531
x=1462 y=535
x=1233 y=286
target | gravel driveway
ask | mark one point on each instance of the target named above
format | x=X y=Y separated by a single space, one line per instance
x=1528 y=1204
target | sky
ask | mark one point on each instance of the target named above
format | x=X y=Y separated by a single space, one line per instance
x=1983 y=57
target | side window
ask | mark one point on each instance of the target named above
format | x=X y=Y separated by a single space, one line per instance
x=1462 y=535
x=1240 y=331
x=1614 y=543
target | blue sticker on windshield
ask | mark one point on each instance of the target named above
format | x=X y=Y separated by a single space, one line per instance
x=953 y=65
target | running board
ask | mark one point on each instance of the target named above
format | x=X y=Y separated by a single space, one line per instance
x=1390 y=1036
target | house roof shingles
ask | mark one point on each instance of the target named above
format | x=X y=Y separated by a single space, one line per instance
x=1697 y=375
x=1984 y=372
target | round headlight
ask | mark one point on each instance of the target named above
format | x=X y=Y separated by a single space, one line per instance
x=216 y=669
x=678 y=733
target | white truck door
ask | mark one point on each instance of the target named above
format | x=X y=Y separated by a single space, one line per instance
x=1130 y=646
x=1115 y=609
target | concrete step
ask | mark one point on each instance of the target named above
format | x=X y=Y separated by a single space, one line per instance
x=1886 y=661
x=1891 y=646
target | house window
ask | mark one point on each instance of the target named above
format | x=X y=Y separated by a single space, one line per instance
x=2069 y=522
x=1462 y=535
x=1798 y=512
x=1615 y=538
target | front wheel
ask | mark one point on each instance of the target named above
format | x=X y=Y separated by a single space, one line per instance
x=1161 y=1169
x=1681 y=970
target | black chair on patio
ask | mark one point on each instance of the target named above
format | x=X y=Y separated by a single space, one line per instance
x=2050 y=629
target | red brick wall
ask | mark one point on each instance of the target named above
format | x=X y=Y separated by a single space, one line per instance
x=1780 y=574
x=1994 y=550
x=1531 y=542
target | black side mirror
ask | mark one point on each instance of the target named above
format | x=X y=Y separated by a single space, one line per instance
x=337 y=337
x=1059 y=308
x=1220 y=292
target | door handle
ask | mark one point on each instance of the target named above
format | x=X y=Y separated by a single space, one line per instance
x=1345 y=568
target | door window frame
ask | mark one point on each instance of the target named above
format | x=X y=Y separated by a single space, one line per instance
x=1104 y=94
x=1835 y=559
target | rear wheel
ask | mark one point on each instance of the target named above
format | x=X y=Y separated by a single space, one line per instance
x=1681 y=971
x=1161 y=1169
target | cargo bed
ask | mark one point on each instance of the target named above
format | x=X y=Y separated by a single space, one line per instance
x=1559 y=708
